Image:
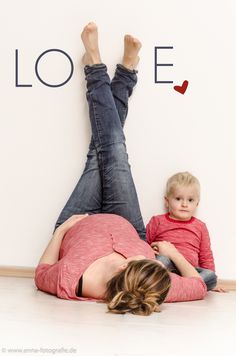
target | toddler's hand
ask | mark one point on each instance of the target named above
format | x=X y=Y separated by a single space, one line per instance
x=154 y=246
x=166 y=248
x=220 y=289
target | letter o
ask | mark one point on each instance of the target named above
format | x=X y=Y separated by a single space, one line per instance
x=53 y=85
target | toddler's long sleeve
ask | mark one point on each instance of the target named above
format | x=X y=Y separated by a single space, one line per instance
x=206 y=259
x=151 y=230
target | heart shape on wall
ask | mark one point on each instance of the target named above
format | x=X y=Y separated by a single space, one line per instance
x=181 y=89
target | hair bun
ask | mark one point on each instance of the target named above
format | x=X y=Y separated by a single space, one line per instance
x=139 y=289
x=136 y=302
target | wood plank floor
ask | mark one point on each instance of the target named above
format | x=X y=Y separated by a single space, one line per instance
x=39 y=323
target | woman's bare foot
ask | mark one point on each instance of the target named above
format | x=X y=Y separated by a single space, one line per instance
x=90 y=40
x=131 y=49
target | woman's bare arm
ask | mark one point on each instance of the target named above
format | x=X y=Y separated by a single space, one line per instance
x=169 y=250
x=185 y=268
x=51 y=253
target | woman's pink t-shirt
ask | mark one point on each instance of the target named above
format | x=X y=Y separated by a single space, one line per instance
x=97 y=236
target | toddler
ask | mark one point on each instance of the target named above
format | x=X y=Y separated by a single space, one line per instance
x=179 y=226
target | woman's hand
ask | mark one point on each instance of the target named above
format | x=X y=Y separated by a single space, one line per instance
x=70 y=222
x=164 y=248
x=51 y=253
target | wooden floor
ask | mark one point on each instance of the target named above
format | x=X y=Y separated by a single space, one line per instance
x=32 y=320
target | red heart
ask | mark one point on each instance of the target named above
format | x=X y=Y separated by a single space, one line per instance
x=182 y=89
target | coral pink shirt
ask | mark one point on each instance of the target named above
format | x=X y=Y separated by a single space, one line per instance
x=97 y=236
x=191 y=238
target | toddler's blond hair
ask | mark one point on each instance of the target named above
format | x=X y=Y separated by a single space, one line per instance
x=181 y=179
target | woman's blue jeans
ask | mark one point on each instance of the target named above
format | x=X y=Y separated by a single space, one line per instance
x=106 y=184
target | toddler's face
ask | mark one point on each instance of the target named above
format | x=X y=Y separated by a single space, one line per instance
x=182 y=203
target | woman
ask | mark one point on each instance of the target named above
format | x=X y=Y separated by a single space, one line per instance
x=102 y=256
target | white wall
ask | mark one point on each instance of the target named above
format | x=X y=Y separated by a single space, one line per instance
x=45 y=131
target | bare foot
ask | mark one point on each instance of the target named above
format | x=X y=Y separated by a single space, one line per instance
x=131 y=49
x=90 y=40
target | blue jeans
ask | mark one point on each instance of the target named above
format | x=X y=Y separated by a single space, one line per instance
x=208 y=276
x=106 y=184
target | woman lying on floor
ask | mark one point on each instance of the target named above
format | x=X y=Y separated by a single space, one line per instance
x=98 y=250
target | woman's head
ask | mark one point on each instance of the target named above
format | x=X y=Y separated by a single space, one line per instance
x=140 y=288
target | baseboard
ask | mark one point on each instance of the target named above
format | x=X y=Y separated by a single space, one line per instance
x=10 y=271
x=28 y=272
x=227 y=284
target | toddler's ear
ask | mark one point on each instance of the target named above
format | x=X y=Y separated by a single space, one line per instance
x=166 y=203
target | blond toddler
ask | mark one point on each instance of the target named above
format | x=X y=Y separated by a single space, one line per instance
x=179 y=226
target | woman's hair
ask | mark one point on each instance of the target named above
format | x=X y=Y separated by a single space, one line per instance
x=139 y=289
x=181 y=179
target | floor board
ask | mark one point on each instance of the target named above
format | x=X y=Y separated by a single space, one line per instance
x=31 y=319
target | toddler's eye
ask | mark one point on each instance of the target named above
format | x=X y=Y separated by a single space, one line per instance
x=191 y=200
x=177 y=198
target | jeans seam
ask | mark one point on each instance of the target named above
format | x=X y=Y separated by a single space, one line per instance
x=96 y=121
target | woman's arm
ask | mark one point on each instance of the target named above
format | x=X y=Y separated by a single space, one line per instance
x=188 y=286
x=185 y=268
x=51 y=253
x=169 y=250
